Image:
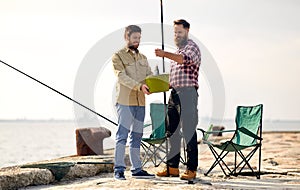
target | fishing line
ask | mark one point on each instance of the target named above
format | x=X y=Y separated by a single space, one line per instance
x=59 y=92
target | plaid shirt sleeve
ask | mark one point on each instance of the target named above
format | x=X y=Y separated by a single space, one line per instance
x=190 y=54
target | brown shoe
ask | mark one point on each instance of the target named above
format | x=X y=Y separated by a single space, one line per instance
x=173 y=172
x=188 y=175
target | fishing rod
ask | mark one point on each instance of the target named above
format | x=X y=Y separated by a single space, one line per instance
x=59 y=93
x=165 y=97
x=162 y=41
x=162 y=32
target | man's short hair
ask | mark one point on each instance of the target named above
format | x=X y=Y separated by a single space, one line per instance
x=183 y=22
x=131 y=29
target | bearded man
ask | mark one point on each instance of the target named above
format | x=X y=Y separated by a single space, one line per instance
x=131 y=68
x=182 y=106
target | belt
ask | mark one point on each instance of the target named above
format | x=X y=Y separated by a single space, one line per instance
x=184 y=87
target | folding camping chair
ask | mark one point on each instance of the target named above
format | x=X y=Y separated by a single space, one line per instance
x=155 y=146
x=245 y=141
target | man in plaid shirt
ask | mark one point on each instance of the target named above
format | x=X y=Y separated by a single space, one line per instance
x=183 y=101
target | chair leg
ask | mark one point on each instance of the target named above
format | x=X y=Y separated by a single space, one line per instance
x=146 y=150
x=245 y=161
x=151 y=154
x=183 y=159
x=148 y=154
x=259 y=162
x=219 y=158
x=161 y=159
x=235 y=157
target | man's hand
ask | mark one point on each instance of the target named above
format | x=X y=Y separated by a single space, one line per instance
x=145 y=89
x=159 y=52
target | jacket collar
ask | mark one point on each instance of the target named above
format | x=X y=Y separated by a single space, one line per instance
x=129 y=50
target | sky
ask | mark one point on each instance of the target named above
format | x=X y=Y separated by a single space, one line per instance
x=254 y=43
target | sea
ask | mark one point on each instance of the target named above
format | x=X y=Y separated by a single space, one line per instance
x=23 y=142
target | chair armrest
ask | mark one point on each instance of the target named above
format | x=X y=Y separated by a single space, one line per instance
x=249 y=133
x=203 y=131
x=225 y=131
x=209 y=132
x=205 y=135
x=147 y=125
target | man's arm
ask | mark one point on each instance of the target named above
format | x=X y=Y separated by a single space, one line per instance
x=175 y=57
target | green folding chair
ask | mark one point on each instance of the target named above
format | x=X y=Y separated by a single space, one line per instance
x=246 y=140
x=155 y=147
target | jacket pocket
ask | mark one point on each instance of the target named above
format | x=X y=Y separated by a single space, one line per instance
x=143 y=63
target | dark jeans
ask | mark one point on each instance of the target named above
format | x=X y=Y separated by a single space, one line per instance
x=182 y=120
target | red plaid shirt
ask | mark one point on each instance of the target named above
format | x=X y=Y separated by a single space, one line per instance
x=186 y=74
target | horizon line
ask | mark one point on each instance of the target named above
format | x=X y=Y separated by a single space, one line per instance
x=93 y=119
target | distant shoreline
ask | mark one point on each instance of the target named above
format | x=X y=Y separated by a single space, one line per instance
x=73 y=120
x=35 y=120
x=270 y=132
x=46 y=121
x=268 y=125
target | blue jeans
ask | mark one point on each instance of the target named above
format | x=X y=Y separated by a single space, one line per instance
x=130 y=121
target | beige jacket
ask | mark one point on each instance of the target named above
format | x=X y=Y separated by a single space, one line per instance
x=131 y=70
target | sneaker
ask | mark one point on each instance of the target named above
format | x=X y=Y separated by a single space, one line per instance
x=143 y=175
x=173 y=172
x=120 y=176
x=188 y=175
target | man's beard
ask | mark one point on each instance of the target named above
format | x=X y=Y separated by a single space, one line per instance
x=181 y=42
x=133 y=47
